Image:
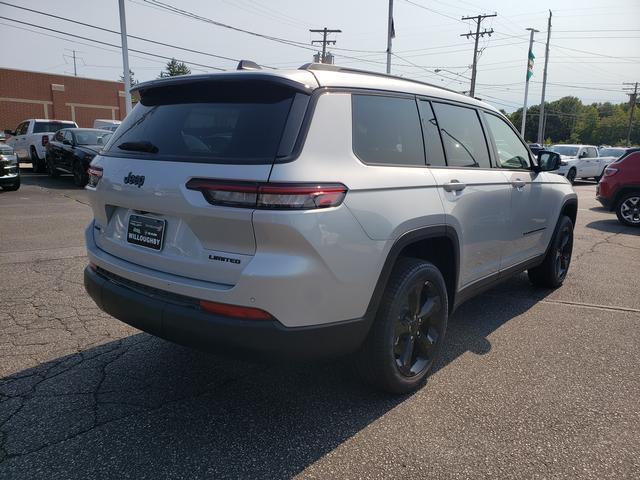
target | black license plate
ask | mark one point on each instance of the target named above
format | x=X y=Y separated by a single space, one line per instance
x=146 y=231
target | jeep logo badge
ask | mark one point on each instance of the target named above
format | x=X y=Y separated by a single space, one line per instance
x=132 y=179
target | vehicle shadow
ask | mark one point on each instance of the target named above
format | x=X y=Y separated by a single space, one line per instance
x=612 y=226
x=141 y=407
x=63 y=182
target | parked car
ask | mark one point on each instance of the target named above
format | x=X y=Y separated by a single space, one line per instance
x=224 y=216
x=30 y=138
x=72 y=149
x=3 y=137
x=9 y=169
x=103 y=124
x=579 y=161
x=619 y=188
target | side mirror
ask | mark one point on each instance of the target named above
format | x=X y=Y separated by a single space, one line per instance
x=548 y=161
x=9 y=132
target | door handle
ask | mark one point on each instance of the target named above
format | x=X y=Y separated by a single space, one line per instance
x=454 y=186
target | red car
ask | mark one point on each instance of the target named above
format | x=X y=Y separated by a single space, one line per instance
x=619 y=188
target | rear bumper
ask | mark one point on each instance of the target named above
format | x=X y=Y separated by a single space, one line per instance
x=188 y=325
x=605 y=202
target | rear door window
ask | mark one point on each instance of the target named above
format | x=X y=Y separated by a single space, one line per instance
x=239 y=123
x=462 y=135
x=386 y=130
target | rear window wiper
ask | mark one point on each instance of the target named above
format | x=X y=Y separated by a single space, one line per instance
x=139 y=147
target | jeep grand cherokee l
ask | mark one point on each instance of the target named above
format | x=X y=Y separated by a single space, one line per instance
x=317 y=212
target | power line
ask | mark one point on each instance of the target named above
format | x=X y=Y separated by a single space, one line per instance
x=111 y=44
x=324 y=31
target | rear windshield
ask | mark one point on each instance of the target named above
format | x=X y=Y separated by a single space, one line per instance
x=92 y=137
x=565 y=150
x=221 y=122
x=51 y=127
x=611 y=152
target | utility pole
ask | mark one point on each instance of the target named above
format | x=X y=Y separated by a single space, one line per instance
x=633 y=98
x=125 y=58
x=75 y=70
x=390 y=35
x=530 y=58
x=478 y=19
x=544 y=84
x=324 y=31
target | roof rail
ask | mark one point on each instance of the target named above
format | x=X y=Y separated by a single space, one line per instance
x=336 y=68
x=248 y=65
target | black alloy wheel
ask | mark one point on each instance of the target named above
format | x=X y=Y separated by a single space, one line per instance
x=407 y=334
x=417 y=331
x=563 y=252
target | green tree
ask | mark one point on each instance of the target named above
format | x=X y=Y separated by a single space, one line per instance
x=132 y=78
x=175 y=68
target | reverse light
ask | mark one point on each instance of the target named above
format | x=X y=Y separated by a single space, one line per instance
x=610 y=171
x=270 y=196
x=95 y=174
x=226 y=310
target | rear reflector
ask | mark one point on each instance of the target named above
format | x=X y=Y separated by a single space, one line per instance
x=245 y=313
x=275 y=196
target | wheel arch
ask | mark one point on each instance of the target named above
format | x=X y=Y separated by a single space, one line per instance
x=570 y=209
x=620 y=194
x=438 y=244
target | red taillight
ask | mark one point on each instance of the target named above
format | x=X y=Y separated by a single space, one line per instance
x=610 y=171
x=277 y=196
x=45 y=140
x=245 y=313
x=95 y=174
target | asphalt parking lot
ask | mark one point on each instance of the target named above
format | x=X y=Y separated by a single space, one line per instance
x=533 y=384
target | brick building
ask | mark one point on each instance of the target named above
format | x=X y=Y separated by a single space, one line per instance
x=42 y=95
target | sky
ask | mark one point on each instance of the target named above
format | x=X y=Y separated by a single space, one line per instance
x=594 y=48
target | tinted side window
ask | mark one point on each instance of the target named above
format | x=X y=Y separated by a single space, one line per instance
x=68 y=136
x=462 y=136
x=386 y=130
x=22 y=128
x=511 y=151
x=432 y=141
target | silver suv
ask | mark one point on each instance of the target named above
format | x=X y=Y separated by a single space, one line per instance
x=317 y=212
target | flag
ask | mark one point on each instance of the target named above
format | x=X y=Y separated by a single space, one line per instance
x=530 y=65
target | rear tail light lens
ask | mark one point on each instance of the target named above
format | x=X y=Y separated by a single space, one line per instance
x=270 y=196
x=95 y=174
x=609 y=171
x=45 y=140
x=226 y=310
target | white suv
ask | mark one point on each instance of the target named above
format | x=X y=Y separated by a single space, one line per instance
x=317 y=212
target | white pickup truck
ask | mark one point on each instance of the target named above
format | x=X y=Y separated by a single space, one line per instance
x=579 y=161
x=30 y=138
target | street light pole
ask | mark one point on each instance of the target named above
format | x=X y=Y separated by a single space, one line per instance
x=125 y=58
x=529 y=73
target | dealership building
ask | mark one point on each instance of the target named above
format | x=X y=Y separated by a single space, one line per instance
x=26 y=95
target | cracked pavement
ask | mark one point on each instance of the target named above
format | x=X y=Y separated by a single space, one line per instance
x=532 y=384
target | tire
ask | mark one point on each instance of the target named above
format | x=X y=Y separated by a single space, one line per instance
x=628 y=209
x=408 y=331
x=52 y=171
x=12 y=188
x=80 y=177
x=571 y=175
x=553 y=269
x=36 y=164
